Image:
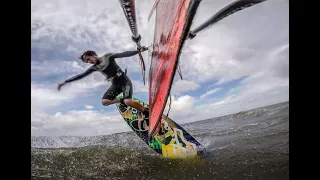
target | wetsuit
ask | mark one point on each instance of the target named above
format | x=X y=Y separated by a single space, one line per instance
x=110 y=69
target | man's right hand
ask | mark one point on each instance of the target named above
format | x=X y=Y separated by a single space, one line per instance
x=60 y=85
x=143 y=48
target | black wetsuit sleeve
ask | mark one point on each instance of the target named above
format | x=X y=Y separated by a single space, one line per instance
x=82 y=75
x=124 y=54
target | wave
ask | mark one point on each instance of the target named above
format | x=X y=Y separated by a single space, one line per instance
x=251 y=113
x=103 y=162
x=255 y=147
x=267 y=110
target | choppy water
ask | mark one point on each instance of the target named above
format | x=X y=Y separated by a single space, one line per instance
x=247 y=145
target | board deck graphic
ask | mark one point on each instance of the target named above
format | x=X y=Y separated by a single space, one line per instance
x=172 y=141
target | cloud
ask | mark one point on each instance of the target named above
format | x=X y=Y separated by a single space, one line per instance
x=235 y=46
x=139 y=86
x=183 y=103
x=210 y=92
x=181 y=86
x=252 y=43
x=256 y=91
x=88 y=107
x=52 y=68
x=180 y=107
x=240 y=47
x=77 y=24
x=77 y=123
x=42 y=98
x=60 y=32
x=46 y=98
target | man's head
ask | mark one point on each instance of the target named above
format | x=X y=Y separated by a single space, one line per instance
x=89 y=57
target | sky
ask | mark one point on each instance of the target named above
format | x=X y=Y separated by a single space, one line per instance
x=238 y=64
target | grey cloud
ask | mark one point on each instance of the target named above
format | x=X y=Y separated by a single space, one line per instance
x=240 y=42
x=281 y=67
x=87 y=123
x=243 y=54
x=243 y=44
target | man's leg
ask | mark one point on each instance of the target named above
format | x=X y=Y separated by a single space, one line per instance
x=134 y=104
x=127 y=98
x=109 y=96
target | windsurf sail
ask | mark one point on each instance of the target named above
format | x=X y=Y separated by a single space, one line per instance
x=169 y=24
x=129 y=10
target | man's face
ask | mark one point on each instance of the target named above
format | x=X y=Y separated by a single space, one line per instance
x=90 y=59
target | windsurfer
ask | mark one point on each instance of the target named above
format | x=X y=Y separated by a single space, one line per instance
x=120 y=81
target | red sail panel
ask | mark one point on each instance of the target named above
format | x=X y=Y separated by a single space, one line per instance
x=171 y=20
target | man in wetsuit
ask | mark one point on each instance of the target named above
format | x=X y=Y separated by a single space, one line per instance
x=120 y=81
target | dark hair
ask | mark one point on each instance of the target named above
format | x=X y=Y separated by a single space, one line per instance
x=87 y=53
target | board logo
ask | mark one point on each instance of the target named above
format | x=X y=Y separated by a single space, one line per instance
x=140 y=125
x=122 y=108
x=137 y=123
